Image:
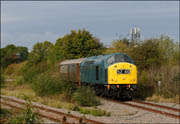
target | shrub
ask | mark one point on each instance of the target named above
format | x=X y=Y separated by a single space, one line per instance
x=4 y=115
x=147 y=55
x=85 y=96
x=146 y=87
x=45 y=85
x=68 y=88
x=30 y=72
x=19 y=80
x=15 y=69
x=26 y=117
x=171 y=89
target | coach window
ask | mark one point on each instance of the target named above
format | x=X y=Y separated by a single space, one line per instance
x=97 y=73
x=64 y=69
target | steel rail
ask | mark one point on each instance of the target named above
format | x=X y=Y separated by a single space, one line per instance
x=42 y=115
x=53 y=111
x=156 y=105
x=145 y=108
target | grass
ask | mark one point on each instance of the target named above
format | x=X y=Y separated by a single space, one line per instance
x=156 y=98
x=94 y=112
x=27 y=116
x=26 y=92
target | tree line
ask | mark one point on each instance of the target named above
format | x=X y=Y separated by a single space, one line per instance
x=155 y=57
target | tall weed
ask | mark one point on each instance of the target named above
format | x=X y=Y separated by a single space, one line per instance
x=26 y=117
x=146 y=87
x=85 y=96
x=44 y=85
x=30 y=71
x=2 y=84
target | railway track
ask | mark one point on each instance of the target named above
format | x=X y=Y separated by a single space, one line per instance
x=156 y=105
x=140 y=103
x=46 y=111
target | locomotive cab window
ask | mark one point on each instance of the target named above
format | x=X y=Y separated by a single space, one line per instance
x=110 y=60
x=119 y=58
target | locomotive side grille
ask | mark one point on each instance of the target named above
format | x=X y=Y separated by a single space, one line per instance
x=106 y=74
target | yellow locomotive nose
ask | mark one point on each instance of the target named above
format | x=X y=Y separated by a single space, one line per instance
x=122 y=73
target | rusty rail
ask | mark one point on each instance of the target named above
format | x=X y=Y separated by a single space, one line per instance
x=47 y=110
x=145 y=108
x=156 y=105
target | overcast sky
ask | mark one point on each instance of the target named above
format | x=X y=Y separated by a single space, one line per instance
x=25 y=22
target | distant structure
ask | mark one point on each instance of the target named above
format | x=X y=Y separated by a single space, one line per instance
x=135 y=35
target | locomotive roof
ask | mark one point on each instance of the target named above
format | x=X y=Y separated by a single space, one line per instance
x=102 y=57
x=93 y=58
x=72 y=61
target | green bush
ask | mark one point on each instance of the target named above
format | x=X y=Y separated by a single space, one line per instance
x=171 y=89
x=146 y=87
x=68 y=88
x=26 y=117
x=30 y=72
x=85 y=96
x=19 y=80
x=45 y=85
x=4 y=114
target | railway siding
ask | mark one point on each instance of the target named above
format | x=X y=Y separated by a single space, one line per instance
x=45 y=111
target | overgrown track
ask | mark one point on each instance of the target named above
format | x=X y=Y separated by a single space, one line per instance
x=139 y=106
x=45 y=111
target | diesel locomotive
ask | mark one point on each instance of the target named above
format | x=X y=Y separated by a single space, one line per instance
x=112 y=74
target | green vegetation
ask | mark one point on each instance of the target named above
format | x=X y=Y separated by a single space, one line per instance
x=45 y=85
x=23 y=117
x=2 y=80
x=77 y=44
x=9 y=55
x=4 y=114
x=39 y=52
x=85 y=96
x=95 y=112
x=157 y=59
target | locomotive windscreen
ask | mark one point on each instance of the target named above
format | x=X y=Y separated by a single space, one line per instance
x=119 y=58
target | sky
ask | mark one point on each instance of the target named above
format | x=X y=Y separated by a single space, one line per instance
x=24 y=23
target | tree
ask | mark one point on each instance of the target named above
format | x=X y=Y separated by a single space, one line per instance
x=147 y=55
x=77 y=44
x=121 y=46
x=39 y=52
x=169 y=49
x=23 y=51
x=9 y=54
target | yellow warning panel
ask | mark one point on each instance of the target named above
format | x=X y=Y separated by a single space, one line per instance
x=122 y=73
